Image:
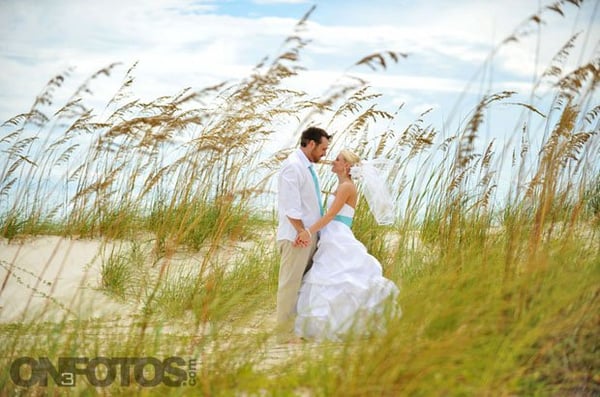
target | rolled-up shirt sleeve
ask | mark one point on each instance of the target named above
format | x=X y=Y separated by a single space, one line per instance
x=290 y=201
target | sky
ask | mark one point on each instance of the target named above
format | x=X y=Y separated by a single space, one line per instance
x=183 y=43
x=199 y=43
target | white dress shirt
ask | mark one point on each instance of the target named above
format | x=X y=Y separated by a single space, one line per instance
x=297 y=196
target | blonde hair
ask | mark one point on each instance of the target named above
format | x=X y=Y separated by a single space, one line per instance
x=350 y=157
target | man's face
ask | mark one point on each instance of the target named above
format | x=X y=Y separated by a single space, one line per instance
x=319 y=150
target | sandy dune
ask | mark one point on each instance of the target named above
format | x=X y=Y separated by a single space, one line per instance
x=47 y=278
x=43 y=276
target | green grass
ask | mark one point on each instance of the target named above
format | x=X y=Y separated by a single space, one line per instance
x=465 y=330
x=120 y=273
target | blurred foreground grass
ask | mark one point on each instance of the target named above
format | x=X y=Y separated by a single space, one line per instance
x=467 y=328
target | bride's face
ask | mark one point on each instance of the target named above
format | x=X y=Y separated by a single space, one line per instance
x=339 y=165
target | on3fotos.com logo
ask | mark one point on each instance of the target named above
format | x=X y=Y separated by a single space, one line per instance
x=104 y=371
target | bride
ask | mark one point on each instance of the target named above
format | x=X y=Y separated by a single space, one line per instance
x=344 y=292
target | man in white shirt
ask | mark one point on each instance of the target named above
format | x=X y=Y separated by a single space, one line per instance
x=299 y=206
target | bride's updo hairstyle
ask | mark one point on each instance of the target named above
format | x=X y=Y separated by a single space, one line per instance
x=351 y=158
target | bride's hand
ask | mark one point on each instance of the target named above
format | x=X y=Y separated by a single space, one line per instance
x=303 y=239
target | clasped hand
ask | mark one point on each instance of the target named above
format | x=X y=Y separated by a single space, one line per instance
x=302 y=239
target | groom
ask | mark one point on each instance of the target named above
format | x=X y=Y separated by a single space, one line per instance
x=299 y=205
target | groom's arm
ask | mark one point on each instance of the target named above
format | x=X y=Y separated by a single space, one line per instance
x=290 y=202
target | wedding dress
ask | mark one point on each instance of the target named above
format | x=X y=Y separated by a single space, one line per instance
x=344 y=292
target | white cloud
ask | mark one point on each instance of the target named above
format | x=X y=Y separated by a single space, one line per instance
x=174 y=48
x=424 y=107
x=181 y=43
x=465 y=31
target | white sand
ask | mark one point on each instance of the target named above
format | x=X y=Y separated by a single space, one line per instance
x=49 y=274
x=51 y=277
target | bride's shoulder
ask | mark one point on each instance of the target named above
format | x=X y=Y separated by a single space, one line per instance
x=347 y=188
x=348 y=193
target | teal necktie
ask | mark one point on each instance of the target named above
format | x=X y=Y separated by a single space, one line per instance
x=316 y=181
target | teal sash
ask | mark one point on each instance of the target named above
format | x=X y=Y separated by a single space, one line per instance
x=344 y=219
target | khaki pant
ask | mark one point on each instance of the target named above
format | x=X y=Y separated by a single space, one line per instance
x=294 y=262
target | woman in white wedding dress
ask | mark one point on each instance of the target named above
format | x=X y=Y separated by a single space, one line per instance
x=344 y=292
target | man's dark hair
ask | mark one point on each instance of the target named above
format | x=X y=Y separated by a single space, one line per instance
x=313 y=134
